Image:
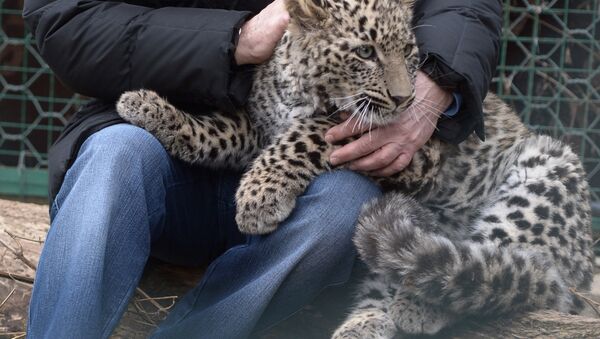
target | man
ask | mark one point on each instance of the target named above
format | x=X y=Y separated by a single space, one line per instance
x=117 y=197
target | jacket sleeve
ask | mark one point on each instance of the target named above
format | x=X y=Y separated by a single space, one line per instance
x=459 y=44
x=101 y=49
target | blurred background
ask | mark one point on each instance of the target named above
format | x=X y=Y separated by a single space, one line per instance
x=549 y=70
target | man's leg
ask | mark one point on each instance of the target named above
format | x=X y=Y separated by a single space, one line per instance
x=110 y=209
x=254 y=285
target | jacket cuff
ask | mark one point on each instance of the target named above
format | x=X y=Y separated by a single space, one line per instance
x=454 y=106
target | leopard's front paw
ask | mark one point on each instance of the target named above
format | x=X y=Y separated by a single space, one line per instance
x=139 y=107
x=262 y=204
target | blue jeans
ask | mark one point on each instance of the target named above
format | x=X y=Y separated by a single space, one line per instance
x=125 y=199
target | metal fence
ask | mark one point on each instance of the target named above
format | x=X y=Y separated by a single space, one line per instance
x=34 y=107
x=549 y=69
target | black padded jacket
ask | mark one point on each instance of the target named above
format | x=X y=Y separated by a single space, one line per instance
x=183 y=49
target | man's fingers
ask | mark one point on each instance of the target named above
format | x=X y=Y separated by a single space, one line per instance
x=396 y=166
x=377 y=160
x=345 y=129
x=355 y=150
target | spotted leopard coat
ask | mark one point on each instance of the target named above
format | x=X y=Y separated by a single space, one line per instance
x=482 y=228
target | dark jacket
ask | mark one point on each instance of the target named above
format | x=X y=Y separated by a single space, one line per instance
x=184 y=51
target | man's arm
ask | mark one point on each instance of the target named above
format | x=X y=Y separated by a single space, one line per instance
x=101 y=49
x=459 y=42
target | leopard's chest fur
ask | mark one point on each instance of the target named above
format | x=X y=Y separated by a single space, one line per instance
x=283 y=92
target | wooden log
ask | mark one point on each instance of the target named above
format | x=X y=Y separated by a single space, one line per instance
x=23 y=227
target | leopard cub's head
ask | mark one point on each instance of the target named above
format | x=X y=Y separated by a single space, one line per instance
x=360 y=55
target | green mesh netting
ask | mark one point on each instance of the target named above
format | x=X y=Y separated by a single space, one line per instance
x=34 y=107
x=549 y=70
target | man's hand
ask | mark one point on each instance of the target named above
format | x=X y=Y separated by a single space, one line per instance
x=261 y=34
x=388 y=149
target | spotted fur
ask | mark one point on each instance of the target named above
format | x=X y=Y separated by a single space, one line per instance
x=483 y=228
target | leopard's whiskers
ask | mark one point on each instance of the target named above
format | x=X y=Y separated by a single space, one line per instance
x=350 y=103
x=379 y=114
x=346 y=97
x=369 y=114
x=420 y=26
x=361 y=116
x=346 y=105
x=434 y=110
x=421 y=63
x=427 y=100
x=411 y=111
x=354 y=114
x=371 y=125
x=428 y=109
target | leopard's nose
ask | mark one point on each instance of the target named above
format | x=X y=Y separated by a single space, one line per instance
x=399 y=100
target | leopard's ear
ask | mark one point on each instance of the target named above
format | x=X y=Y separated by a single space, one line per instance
x=308 y=14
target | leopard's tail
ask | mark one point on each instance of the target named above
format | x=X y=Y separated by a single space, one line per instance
x=462 y=277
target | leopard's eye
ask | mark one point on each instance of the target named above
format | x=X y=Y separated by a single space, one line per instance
x=408 y=49
x=365 y=52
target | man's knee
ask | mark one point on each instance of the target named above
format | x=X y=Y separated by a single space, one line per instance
x=117 y=159
x=124 y=143
x=120 y=165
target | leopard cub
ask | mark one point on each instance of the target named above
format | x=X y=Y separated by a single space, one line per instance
x=483 y=228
